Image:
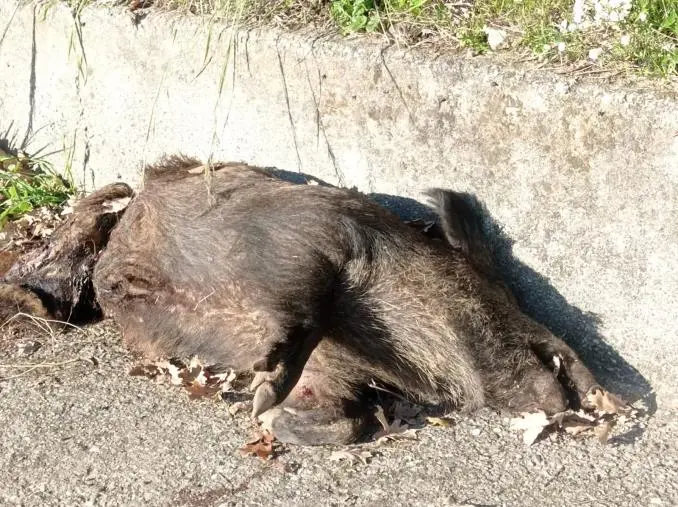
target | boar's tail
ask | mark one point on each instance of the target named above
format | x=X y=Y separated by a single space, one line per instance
x=461 y=219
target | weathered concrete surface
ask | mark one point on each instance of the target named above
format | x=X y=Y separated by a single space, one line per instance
x=583 y=178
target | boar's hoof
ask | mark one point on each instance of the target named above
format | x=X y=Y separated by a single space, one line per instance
x=310 y=427
x=277 y=374
x=575 y=378
x=264 y=393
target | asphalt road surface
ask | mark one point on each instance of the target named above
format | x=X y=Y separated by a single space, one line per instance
x=79 y=430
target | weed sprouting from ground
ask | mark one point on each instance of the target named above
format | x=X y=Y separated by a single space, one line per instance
x=27 y=183
x=641 y=35
x=616 y=35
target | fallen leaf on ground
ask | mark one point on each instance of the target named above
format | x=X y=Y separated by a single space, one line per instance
x=609 y=409
x=393 y=431
x=198 y=380
x=351 y=455
x=496 y=38
x=574 y=423
x=261 y=447
x=236 y=407
x=607 y=403
x=443 y=422
x=532 y=424
x=603 y=431
x=145 y=370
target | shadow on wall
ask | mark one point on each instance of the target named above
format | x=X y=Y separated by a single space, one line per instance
x=537 y=297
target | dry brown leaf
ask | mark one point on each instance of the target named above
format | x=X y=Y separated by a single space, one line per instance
x=262 y=446
x=174 y=372
x=351 y=455
x=198 y=380
x=393 y=431
x=574 y=423
x=443 y=422
x=236 y=407
x=196 y=390
x=145 y=370
x=574 y=428
x=609 y=410
x=603 y=431
x=193 y=374
x=607 y=403
x=532 y=424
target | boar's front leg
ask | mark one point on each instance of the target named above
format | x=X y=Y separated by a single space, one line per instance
x=279 y=371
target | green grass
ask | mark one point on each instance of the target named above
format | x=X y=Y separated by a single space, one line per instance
x=645 y=41
x=27 y=183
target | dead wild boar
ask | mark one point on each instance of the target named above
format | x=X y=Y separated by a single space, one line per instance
x=318 y=290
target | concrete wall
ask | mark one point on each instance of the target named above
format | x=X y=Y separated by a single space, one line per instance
x=582 y=177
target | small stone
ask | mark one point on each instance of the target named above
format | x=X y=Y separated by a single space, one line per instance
x=28 y=348
x=595 y=53
x=495 y=38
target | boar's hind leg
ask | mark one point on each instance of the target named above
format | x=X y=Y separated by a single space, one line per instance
x=462 y=225
x=577 y=380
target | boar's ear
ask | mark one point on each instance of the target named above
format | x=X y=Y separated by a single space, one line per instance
x=461 y=219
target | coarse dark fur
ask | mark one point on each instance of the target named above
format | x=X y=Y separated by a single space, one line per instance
x=323 y=294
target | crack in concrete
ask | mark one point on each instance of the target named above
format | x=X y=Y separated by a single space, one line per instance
x=231 y=54
x=287 y=102
x=320 y=126
x=9 y=23
x=82 y=117
x=396 y=85
x=31 y=85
